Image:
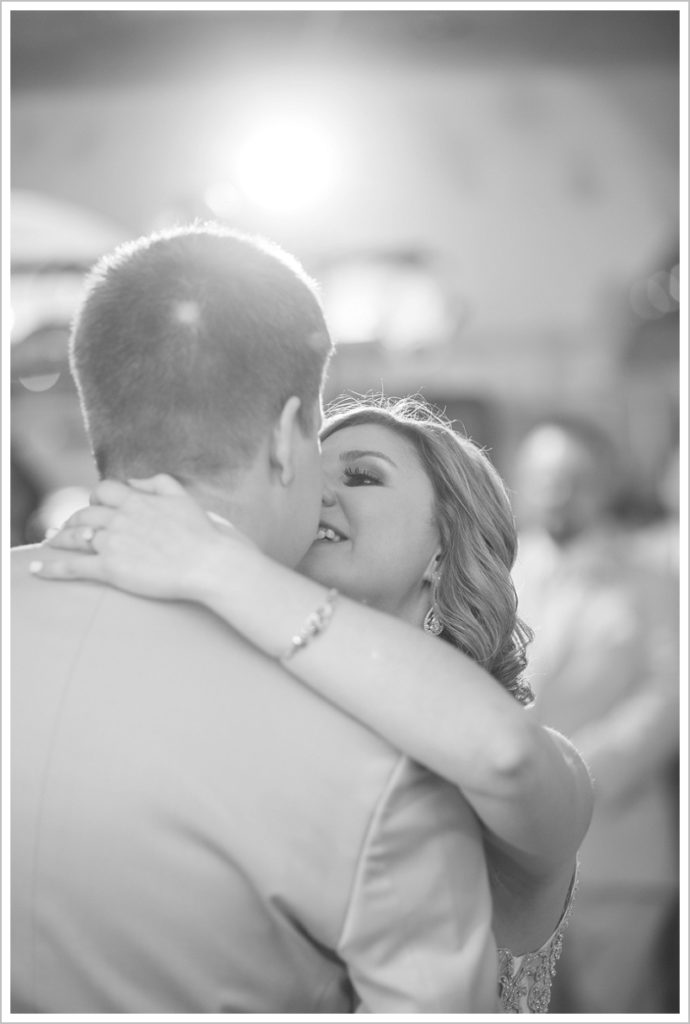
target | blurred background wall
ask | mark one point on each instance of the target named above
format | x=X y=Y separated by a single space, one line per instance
x=489 y=199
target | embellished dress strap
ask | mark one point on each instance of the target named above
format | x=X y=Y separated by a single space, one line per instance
x=524 y=982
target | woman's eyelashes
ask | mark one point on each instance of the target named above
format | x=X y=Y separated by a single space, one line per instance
x=361 y=476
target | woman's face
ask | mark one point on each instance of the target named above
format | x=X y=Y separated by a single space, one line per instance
x=377 y=534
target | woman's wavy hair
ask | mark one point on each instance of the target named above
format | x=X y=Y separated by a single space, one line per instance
x=473 y=591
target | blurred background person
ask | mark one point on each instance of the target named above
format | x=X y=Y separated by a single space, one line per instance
x=604 y=668
x=659 y=540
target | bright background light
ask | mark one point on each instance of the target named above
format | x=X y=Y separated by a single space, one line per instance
x=402 y=305
x=287 y=165
x=533 y=177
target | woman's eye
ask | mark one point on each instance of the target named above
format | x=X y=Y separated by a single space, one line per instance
x=358 y=476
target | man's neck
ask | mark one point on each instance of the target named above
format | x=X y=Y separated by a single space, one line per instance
x=238 y=503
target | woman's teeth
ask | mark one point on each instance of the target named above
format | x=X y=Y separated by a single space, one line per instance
x=326 y=533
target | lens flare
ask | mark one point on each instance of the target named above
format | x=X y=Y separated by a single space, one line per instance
x=287 y=165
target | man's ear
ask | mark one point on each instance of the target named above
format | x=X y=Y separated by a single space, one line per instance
x=432 y=567
x=282 y=451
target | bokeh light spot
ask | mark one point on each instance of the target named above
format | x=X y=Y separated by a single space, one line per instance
x=287 y=165
x=40 y=382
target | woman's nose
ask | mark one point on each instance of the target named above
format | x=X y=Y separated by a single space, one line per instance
x=328 y=494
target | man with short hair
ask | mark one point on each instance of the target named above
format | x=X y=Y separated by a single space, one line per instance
x=604 y=668
x=193 y=831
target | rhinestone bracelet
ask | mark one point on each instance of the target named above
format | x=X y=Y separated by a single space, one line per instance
x=316 y=623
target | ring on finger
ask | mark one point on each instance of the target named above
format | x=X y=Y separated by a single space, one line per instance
x=87 y=535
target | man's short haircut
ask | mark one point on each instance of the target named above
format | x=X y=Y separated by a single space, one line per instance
x=186 y=347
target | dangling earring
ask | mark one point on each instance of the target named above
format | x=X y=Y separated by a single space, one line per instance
x=432 y=623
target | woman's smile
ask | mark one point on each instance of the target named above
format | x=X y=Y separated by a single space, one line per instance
x=329 y=534
x=377 y=530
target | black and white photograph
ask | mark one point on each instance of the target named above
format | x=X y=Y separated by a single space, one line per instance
x=345 y=510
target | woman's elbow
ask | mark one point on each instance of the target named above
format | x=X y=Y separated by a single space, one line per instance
x=533 y=758
x=513 y=756
x=577 y=779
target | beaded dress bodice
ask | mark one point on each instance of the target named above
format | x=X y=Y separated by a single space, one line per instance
x=524 y=982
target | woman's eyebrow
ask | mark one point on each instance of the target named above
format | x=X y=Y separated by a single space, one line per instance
x=357 y=453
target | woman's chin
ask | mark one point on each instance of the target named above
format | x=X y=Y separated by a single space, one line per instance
x=318 y=565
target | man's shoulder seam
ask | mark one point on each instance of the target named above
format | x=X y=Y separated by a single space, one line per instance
x=400 y=765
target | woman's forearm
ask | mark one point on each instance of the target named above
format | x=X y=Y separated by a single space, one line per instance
x=421 y=695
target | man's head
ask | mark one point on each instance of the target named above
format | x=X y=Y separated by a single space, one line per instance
x=567 y=477
x=200 y=352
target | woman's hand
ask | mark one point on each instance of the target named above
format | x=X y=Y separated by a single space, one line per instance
x=150 y=538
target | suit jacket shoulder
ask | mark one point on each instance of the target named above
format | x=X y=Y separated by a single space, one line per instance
x=192 y=830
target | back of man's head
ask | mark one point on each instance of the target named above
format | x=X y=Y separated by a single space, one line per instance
x=186 y=348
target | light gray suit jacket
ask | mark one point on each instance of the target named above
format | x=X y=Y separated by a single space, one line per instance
x=195 y=832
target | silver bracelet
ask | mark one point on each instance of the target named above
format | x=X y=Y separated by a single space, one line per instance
x=314 y=624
